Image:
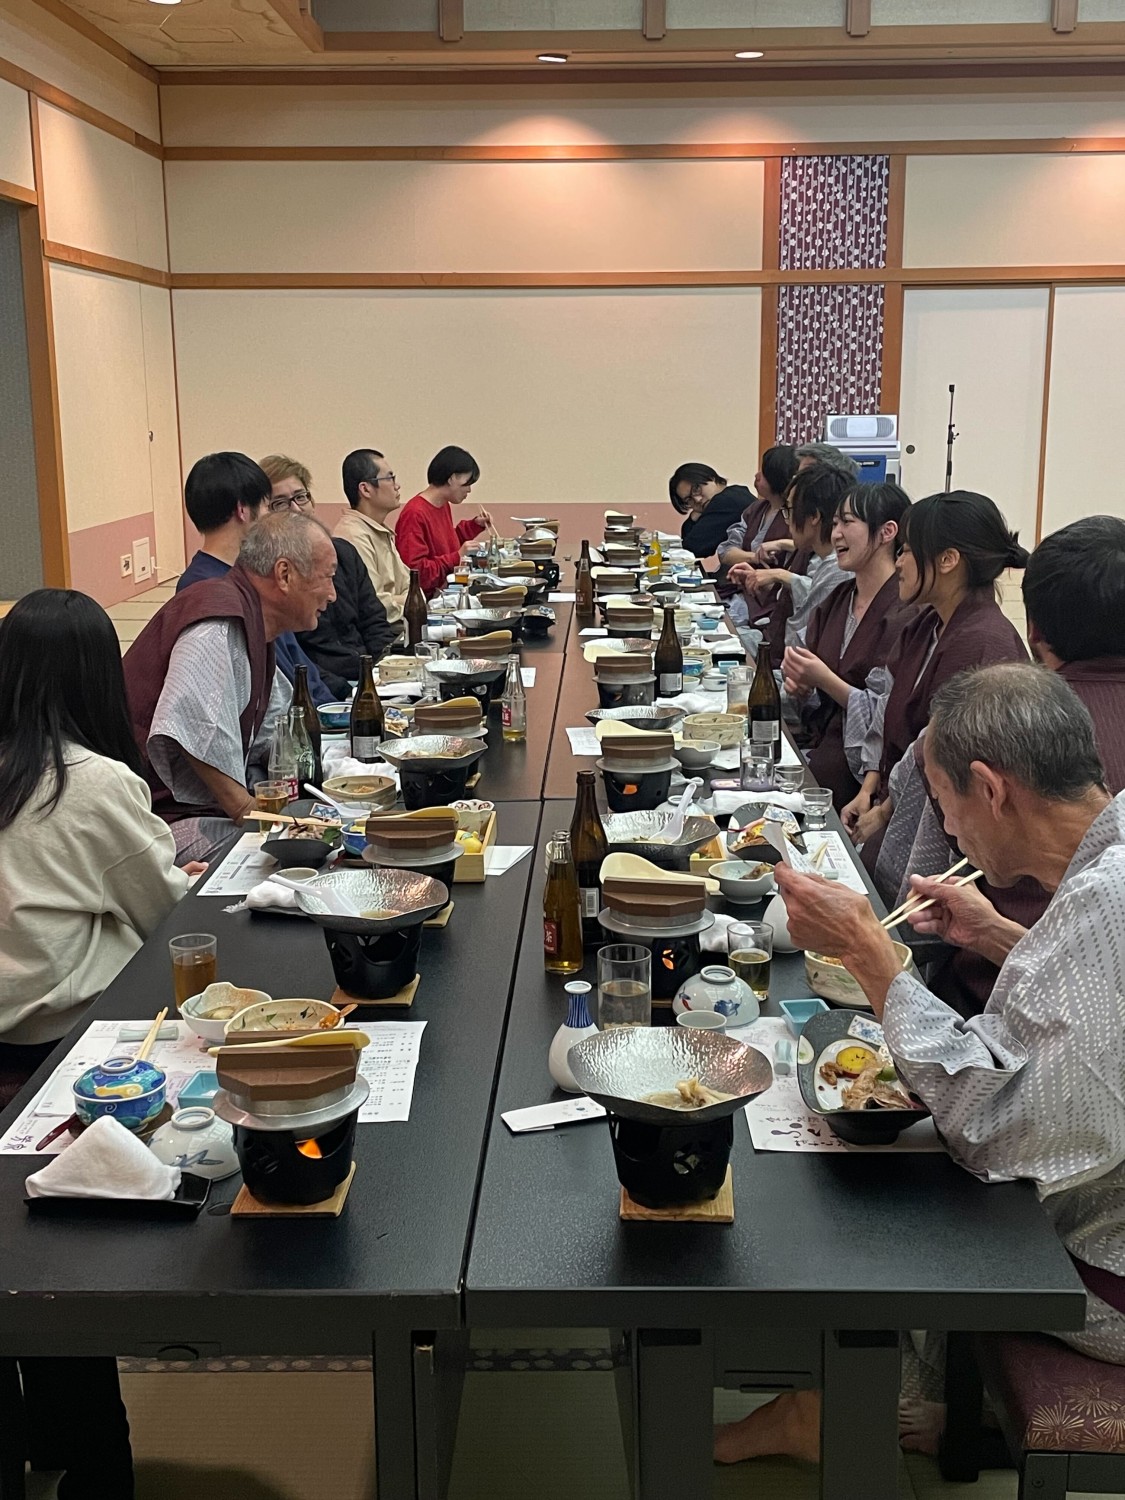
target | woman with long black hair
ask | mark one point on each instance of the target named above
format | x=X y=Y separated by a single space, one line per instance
x=86 y=869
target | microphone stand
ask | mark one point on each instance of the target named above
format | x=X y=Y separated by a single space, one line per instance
x=951 y=437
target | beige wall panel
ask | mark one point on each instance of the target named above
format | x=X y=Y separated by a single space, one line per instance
x=446 y=216
x=552 y=114
x=560 y=395
x=101 y=193
x=34 y=39
x=990 y=343
x=164 y=449
x=101 y=375
x=1087 y=378
x=1014 y=210
x=15 y=136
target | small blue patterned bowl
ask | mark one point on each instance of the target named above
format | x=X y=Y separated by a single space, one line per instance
x=333 y=715
x=131 y=1091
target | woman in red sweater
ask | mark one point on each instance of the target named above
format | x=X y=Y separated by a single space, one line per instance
x=425 y=534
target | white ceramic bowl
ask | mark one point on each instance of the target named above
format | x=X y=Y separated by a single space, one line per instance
x=738 y=885
x=831 y=981
x=693 y=755
x=726 y=729
x=196 y=1141
x=194 y=1009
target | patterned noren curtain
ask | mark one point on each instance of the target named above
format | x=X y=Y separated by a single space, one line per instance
x=829 y=334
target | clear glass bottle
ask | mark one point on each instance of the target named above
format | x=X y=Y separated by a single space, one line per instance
x=302 y=745
x=303 y=700
x=283 y=755
x=562 y=922
x=513 y=703
x=654 y=556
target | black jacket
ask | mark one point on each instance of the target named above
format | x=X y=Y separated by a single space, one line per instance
x=703 y=536
x=355 y=624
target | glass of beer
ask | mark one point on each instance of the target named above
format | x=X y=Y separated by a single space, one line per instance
x=194 y=963
x=751 y=950
x=624 y=986
x=271 y=796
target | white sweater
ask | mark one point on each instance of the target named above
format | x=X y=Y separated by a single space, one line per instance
x=80 y=890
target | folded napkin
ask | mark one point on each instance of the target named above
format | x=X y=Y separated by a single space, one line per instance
x=268 y=896
x=696 y=703
x=337 y=762
x=714 y=939
x=106 y=1161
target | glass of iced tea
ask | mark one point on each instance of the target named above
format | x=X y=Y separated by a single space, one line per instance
x=194 y=963
x=271 y=796
x=751 y=951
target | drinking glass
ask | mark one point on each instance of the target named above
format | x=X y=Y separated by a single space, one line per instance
x=624 y=986
x=194 y=963
x=756 y=769
x=271 y=796
x=789 y=778
x=751 y=950
x=738 y=689
x=818 y=801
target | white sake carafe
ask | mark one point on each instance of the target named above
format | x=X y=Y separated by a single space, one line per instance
x=776 y=916
x=576 y=1026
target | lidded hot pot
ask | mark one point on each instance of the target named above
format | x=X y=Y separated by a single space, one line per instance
x=461 y=717
x=424 y=841
x=624 y=620
x=294 y=1111
x=665 y=916
x=636 y=767
x=624 y=678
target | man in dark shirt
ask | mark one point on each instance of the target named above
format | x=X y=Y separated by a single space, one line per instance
x=224 y=495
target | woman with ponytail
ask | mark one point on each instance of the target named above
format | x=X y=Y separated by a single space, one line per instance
x=953 y=549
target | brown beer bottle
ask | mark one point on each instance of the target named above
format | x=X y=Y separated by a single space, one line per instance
x=366 y=723
x=763 y=705
x=584 y=585
x=562 y=925
x=669 y=658
x=303 y=700
x=415 y=612
x=589 y=846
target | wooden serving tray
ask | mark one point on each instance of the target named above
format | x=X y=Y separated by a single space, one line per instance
x=469 y=869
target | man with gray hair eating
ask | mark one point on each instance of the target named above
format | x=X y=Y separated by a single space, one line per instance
x=204 y=691
x=1032 y=1087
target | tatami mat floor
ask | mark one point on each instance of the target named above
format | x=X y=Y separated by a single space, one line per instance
x=301 y=1436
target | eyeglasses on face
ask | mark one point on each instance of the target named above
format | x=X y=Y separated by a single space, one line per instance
x=298 y=497
x=390 y=478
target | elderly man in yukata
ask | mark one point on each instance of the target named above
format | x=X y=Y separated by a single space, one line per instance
x=1033 y=1087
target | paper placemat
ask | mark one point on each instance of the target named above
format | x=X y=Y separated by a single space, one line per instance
x=583 y=741
x=245 y=866
x=562 y=597
x=780 y=1120
x=500 y=858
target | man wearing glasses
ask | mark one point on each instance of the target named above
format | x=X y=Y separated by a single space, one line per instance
x=224 y=495
x=373 y=496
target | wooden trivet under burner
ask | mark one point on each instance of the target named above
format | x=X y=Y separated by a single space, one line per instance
x=404 y=997
x=717 y=1210
x=441 y=918
x=245 y=1206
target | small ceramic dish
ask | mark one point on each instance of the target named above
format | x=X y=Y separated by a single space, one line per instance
x=829 y=979
x=207 y=1013
x=310 y=852
x=823 y=1040
x=726 y=729
x=334 y=716
x=132 y=1091
x=280 y=1015
x=694 y=755
x=374 y=792
x=743 y=883
x=798 y=1013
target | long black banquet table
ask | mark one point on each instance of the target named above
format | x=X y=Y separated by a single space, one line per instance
x=377 y=1281
x=827 y=1260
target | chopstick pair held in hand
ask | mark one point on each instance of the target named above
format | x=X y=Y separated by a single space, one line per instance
x=918 y=903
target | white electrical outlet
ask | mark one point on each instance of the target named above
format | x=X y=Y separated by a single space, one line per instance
x=126 y=565
x=142 y=560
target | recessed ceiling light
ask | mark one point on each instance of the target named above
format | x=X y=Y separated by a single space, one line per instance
x=748 y=54
x=554 y=57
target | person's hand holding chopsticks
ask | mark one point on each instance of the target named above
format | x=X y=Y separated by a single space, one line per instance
x=964 y=918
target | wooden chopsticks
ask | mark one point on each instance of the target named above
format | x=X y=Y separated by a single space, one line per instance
x=916 y=903
x=263 y=817
x=147 y=1045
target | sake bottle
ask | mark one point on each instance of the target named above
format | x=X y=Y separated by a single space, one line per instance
x=303 y=699
x=562 y=924
x=584 y=585
x=669 y=658
x=575 y=1028
x=366 y=724
x=415 y=612
x=589 y=846
x=763 y=705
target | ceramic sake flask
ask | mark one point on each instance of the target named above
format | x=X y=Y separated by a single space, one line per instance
x=719 y=989
x=777 y=917
x=576 y=1026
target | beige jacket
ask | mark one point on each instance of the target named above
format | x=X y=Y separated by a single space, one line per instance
x=375 y=543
